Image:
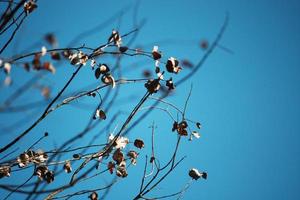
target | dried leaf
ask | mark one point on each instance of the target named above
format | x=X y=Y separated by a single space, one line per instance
x=51 y=39
x=196 y=134
x=204 y=44
x=40 y=171
x=48 y=66
x=108 y=79
x=7 y=81
x=133 y=156
x=5 y=171
x=93 y=63
x=49 y=176
x=7 y=68
x=121 y=170
x=55 y=55
x=118 y=156
x=170 y=84
x=121 y=142
x=43 y=51
x=198 y=124
x=45 y=92
x=152 y=86
x=23 y=160
x=187 y=63
x=93 y=196
x=172 y=65
x=147 y=73
x=195 y=174
x=27 y=67
x=36 y=62
x=68 y=167
x=155 y=53
x=111 y=166
x=116 y=38
x=123 y=49
x=100 y=114
x=139 y=143
x=97 y=73
x=29 y=6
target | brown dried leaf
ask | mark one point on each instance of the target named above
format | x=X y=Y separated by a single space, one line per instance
x=111 y=166
x=68 y=167
x=93 y=196
x=5 y=171
x=139 y=143
x=118 y=156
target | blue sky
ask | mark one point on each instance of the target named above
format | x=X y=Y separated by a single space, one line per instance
x=247 y=101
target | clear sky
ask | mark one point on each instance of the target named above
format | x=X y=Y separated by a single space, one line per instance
x=246 y=100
